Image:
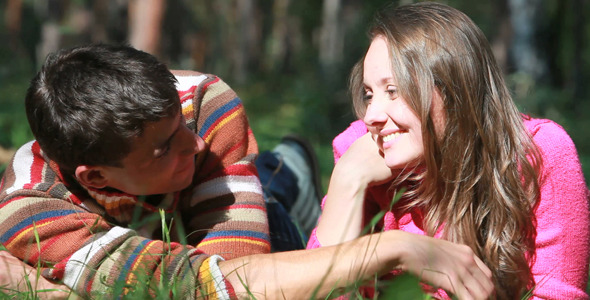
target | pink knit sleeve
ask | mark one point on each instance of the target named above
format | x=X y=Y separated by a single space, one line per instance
x=340 y=145
x=563 y=243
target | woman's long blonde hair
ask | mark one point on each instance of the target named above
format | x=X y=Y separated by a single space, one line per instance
x=480 y=176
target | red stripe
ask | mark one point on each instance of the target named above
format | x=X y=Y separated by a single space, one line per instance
x=235 y=170
x=214 y=161
x=60 y=267
x=46 y=245
x=206 y=85
x=44 y=221
x=75 y=199
x=89 y=286
x=36 y=166
x=230 y=289
x=189 y=91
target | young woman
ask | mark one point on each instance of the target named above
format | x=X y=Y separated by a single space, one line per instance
x=440 y=128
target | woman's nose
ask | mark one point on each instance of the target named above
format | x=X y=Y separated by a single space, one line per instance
x=375 y=113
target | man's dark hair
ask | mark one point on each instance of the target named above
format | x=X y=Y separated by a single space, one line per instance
x=87 y=104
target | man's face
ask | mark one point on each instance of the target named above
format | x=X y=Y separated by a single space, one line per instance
x=161 y=161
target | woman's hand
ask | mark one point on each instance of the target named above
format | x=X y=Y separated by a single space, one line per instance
x=14 y=275
x=360 y=167
x=363 y=162
x=450 y=266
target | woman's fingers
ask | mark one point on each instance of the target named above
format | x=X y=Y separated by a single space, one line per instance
x=452 y=267
x=473 y=277
x=14 y=275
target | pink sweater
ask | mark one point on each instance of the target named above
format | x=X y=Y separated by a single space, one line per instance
x=563 y=237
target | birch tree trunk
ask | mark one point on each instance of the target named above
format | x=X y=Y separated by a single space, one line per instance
x=523 y=15
x=331 y=36
x=247 y=38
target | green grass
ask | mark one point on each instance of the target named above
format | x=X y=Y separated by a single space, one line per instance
x=402 y=287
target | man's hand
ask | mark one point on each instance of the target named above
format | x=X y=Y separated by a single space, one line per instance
x=17 y=277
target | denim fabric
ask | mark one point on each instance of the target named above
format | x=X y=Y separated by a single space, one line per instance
x=306 y=208
x=280 y=192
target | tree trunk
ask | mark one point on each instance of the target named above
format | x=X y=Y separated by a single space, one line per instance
x=502 y=39
x=145 y=24
x=524 y=16
x=331 y=39
x=578 y=38
x=279 y=35
x=247 y=39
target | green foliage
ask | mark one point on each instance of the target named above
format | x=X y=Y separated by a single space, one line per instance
x=404 y=286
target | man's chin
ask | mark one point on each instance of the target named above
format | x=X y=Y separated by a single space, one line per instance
x=187 y=179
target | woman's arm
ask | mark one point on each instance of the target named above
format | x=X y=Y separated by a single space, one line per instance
x=16 y=276
x=316 y=272
x=560 y=267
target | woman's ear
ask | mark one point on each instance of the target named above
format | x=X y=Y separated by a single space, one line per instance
x=91 y=176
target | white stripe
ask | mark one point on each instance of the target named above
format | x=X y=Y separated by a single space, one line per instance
x=23 y=162
x=109 y=199
x=225 y=185
x=220 y=287
x=186 y=82
x=79 y=260
x=185 y=104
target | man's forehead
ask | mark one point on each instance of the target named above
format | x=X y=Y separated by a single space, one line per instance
x=155 y=135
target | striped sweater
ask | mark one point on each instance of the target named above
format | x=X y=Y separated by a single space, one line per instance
x=102 y=242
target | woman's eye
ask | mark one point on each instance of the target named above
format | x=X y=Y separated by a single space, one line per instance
x=367 y=96
x=392 y=91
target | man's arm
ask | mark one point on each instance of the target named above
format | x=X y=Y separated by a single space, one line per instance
x=225 y=210
x=44 y=225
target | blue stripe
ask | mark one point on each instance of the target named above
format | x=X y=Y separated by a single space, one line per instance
x=237 y=233
x=130 y=260
x=35 y=218
x=218 y=114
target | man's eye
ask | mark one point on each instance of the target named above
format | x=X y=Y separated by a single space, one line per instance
x=164 y=152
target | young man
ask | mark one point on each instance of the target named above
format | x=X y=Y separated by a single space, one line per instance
x=123 y=146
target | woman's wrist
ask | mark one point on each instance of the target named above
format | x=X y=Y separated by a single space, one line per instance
x=343 y=213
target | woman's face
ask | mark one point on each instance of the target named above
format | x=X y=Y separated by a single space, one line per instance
x=395 y=127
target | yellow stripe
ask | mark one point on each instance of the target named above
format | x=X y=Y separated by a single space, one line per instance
x=237 y=240
x=223 y=122
x=26 y=231
x=187 y=109
x=207 y=282
x=137 y=262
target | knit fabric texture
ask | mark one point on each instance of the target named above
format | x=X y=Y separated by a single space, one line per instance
x=562 y=245
x=88 y=239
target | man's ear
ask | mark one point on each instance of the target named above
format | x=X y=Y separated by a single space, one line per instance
x=91 y=176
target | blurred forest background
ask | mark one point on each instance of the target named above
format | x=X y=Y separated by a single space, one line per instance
x=289 y=59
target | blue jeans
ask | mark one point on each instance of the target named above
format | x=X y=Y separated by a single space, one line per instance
x=280 y=192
